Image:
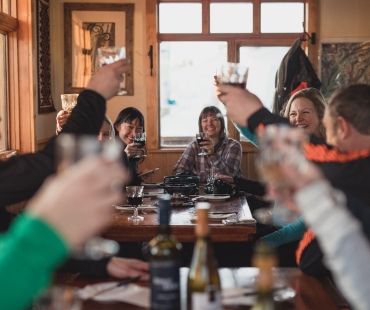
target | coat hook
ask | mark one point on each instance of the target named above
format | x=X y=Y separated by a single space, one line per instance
x=150 y=54
x=312 y=37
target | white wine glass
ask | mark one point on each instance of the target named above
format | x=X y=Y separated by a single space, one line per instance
x=135 y=199
x=110 y=54
x=139 y=138
x=202 y=137
x=69 y=101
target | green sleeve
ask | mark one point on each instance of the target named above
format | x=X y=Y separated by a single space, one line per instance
x=29 y=253
x=248 y=134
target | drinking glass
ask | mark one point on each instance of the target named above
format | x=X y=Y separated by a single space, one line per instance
x=58 y=297
x=69 y=101
x=202 y=137
x=234 y=74
x=140 y=138
x=212 y=176
x=110 y=54
x=70 y=149
x=280 y=144
x=135 y=198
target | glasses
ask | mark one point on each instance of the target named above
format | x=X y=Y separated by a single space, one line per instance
x=202 y=137
x=139 y=138
x=135 y=199
x=234 y=74
x=69 y=101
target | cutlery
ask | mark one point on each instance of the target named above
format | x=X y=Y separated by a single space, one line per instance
x=124 y=282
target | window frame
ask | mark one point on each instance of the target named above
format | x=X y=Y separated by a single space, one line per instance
x=16 y=24
x=234 y=41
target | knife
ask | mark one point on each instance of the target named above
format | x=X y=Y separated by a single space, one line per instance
x=124 y=282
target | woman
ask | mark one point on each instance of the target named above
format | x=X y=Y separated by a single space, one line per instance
x=128 y=122
x=305 y=109
x=223 y=153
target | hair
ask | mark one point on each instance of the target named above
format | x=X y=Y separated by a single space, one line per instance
x=353 y=104
x=127 y=116
x=319 y=103
x=213 y=111
x=111 y=127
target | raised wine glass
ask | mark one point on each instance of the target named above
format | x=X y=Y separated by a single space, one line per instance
x=140 y=138
x=135 y=199
x=202 y=137
x=69 y=101
x=233 y=74
x=111 y=54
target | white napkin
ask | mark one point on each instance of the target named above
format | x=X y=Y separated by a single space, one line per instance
x=131 y=293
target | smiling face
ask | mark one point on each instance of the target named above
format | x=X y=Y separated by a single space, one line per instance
x=126 y=130
x=302 y=114
x=211 y=125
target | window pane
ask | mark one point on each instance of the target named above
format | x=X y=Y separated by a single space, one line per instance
x=282 y=17
x=3 y=97
x=180 y=18
x=263 y=63
x=186 y=87
x=231 y=17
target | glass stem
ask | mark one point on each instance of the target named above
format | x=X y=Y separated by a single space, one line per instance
x=136 y=212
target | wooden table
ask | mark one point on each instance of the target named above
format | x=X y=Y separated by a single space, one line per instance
x=127 y=231
x=311 y=293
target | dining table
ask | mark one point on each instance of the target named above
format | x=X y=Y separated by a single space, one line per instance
x=306 y=292
x=183 y=221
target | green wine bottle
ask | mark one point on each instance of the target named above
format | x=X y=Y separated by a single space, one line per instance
x=164 y=257
x=265 y=259
x=204 y=288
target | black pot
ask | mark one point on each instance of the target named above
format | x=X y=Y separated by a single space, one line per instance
x=183 y=189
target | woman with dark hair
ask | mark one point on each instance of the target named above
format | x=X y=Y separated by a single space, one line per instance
x=223 y=153
x=128 y=122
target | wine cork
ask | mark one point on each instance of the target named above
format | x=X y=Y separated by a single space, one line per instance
x=202 y=228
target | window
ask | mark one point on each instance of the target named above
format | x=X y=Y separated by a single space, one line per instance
x=190 y=49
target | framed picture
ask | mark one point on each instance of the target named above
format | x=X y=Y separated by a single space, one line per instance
x=344 y=63
x=88 y=26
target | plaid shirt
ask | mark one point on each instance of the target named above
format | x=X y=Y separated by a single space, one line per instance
x=227 y=159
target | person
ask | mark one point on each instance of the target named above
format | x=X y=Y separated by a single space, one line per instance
x=129 y=121
x=21 y=176
x=106 y=131
x=223 y=153
x=344 y=161
x=41 y=237
x=329 y=213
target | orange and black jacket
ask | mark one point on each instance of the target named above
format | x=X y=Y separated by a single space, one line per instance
x=348 y=172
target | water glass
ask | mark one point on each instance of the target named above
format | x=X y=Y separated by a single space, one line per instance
x=110 y=54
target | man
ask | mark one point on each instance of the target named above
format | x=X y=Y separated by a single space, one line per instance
x=346 y=163
x=21 y=176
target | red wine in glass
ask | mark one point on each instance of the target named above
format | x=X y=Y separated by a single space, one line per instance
x=202 y=137
x=243 y=85
x=139 y=138
x=135 y=201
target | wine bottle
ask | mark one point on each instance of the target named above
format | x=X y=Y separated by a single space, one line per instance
x=164 y=257
x=203 y=289
x=265 y=259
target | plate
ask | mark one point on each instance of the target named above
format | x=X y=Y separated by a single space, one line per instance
x=212 y=197
x=130 y=209
x=150 y=185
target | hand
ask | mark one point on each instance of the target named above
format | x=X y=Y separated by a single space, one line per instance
x=123 y=268
x=77 y=203
x=62 y=118
x=132 y=149
x=218 y=92
x=108 y=78
x=240 y=103
x=208 y=146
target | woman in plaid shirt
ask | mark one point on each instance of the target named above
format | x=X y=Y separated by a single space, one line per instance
x=223 y=153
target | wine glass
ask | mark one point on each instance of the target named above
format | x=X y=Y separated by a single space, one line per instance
x=135 y=198
x=202 y=137
x=140 y=138
x=69 y=101
x=110 y=54
x=234 y=74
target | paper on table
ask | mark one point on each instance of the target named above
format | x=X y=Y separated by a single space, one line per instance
x=247 y=217
x=131 y=293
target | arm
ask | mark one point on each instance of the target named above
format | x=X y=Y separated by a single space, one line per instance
x=248 y=134
x=187 y=159
x=289 y=233
x=228 y=160
x=340 y=237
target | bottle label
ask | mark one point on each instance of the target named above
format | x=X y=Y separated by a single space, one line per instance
x=165 y=285
x=210 y=299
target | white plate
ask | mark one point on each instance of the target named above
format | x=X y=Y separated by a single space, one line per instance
x=131 y=209
x=212 y=197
